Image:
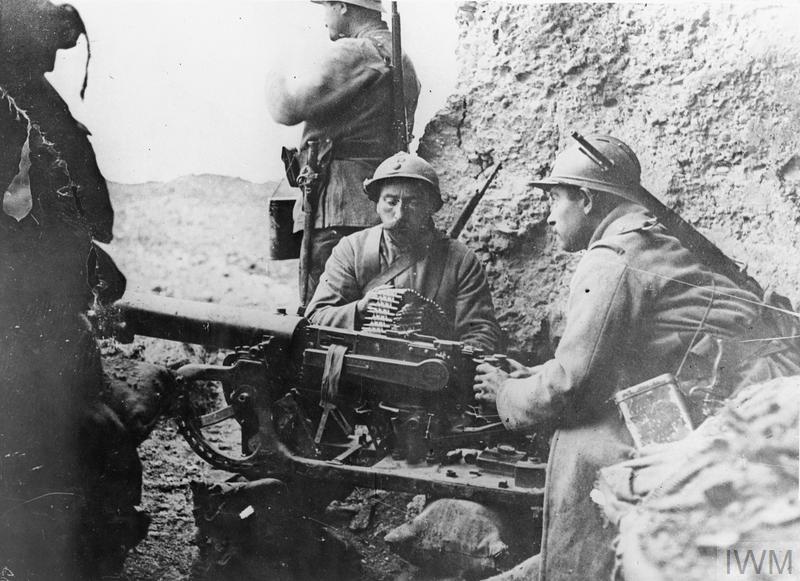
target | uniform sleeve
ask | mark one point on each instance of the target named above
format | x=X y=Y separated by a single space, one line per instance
x=474 y=315
x=411 y=90
x=334 y=301
x=318 y=86
x=580 y=377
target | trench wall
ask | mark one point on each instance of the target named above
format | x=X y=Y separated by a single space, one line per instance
x=707 y=95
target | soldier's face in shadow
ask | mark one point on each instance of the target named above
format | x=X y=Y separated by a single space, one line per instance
x=404 y=206
x=334 y=19
x=569 y=217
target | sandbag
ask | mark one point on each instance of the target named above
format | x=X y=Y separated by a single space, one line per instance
x=456 y=538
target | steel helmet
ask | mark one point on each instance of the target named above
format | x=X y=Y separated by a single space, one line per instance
x=369 y=4
x=405 y=165
x=598 y=162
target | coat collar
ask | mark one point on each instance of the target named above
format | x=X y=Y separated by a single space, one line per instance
x=624 y=218
x=370 y=28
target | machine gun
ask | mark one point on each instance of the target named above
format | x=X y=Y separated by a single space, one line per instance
x=339 y=406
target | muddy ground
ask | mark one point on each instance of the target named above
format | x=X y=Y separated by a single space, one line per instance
x=205 y=238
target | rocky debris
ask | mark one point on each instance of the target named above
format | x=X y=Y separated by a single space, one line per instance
x=704 y=94
x=416 y=506
x=363 y=517
x=357 y=514
x=730 y=485
x=252 y=530
x=263 y=529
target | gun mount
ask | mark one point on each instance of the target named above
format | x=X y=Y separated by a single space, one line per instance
x=382 y=411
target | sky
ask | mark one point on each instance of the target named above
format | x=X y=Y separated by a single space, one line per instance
x=177 y=87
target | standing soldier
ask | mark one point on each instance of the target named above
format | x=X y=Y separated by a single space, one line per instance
x=346 y=101
x=70 y=476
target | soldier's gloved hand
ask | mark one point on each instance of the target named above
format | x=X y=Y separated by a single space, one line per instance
x=489 y=379
x=361 y=305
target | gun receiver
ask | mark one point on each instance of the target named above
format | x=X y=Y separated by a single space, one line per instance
x=402 y=405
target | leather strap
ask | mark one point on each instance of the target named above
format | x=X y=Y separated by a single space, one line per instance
x=332 y=373
x=438 y=254
x=396 y=268
x=406 y=261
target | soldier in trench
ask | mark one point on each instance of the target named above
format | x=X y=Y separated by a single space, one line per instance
x=640 y=304
x=344 y=99
x=406 y=251
x=70 y=475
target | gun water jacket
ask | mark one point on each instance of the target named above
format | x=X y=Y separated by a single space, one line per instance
x=636 y=301
x=448 y=273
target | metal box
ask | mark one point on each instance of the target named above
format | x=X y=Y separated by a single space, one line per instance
x=655 y=411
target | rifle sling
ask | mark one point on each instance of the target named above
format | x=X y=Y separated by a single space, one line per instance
x=402 y=264
x=395 y=269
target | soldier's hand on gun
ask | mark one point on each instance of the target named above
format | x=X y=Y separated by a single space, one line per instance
x=362 y=304
x=489 y=379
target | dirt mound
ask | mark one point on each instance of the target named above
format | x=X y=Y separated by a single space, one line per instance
x=729 y=488
x=201 y=238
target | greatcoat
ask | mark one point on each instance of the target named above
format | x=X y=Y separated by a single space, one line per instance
x=345 y=95
x=637 y=300
x=448 y=273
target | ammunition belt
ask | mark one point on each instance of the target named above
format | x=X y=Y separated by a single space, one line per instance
x=191 y=433
x=386 y=312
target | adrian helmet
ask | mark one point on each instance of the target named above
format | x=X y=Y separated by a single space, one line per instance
x=405 y=165
x=369 y=4
x=598 y=162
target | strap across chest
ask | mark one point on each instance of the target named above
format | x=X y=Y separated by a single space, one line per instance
x=435 y=252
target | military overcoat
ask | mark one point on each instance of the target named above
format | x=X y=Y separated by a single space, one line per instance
x=448 y=273
x=638 y=300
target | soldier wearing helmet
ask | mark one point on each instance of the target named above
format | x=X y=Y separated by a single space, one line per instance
x=406 y=251
x=344 y=99
x=640 y=305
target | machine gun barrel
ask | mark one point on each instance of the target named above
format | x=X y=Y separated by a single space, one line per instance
x=203 y=323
